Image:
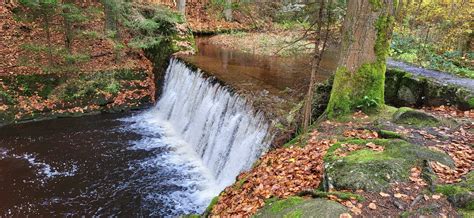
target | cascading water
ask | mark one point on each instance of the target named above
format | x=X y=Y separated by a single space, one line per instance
x=208 y=124
x=163 y=162
x=221 y=127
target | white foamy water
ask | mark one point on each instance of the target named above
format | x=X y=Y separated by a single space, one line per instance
x=212 y=133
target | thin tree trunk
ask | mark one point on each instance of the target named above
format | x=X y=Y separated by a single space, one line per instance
x=68 y=35
x=307 y=110
x=181 y=5
x=360 y=77
x=400 y=11
x=228 y=10
x=48 y=38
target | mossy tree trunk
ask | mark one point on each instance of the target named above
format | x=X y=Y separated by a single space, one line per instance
x=360 y=76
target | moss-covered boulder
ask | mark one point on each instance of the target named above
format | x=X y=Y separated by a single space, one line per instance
x=414 y=117
x=461 y=195
x=300 y=207
x=374 y=170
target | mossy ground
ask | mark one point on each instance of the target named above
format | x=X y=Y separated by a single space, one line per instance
x=49 y=95
x=374 y=170
x=299 y=207
x=460 y=194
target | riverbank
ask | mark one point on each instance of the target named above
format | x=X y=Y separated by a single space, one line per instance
x=398 y=162
x=100 y=73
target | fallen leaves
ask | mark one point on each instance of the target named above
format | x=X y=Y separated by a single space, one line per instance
x=400 y=195
x=383 y=194
x=281 y=173
x=372 y=206
x=463 y=156
x=415 y=176
x=361 y=134
x=3 y=107
x=345 y=148
x=450 y=111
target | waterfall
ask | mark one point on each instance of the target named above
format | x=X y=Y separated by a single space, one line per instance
x=221 y=127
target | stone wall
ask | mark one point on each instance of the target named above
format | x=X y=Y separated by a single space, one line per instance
x=402 y=89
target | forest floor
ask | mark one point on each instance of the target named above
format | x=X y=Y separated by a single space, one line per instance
x=94 y=77
x=23 y=47
x=399 y=162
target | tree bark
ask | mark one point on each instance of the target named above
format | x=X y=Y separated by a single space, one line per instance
x=360 y=77
x=181 y=5
x=68 y=31
x=307 y=109
x=47 y=28
x=228 y=10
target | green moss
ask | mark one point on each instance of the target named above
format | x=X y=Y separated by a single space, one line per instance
x=294 y=214
x=366 y=155
x=279 y=205
x=240 y=183
x=211 y=205
x=450 y=190
x=340 y=195
x=190 y=216
x=466 y=213
x=340 y=101
x=6 y=98
x=299 y=207
x=382 y=43
x=129 y=75
x=376 y=4
x=389 y=134
x=113 y=87
x=460 y=194
x=416 y=118
x=28 y=85
x=363 y=89
x=471 y=103
x=371 y=170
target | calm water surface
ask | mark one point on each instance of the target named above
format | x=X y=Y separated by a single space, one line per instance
x=97 y=165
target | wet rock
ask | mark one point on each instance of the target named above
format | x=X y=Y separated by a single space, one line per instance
x=414 y=117
x=298 y=207
x=374 y=170
x=406 y=94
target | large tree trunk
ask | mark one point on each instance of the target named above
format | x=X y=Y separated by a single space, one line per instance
x=228 y=10
x=360 y=76
x=181 y=5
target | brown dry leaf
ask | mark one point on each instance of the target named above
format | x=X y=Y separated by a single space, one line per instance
x=400 y=195
x=436 y=197
x=356 y=210
x=372 y=206
x=281 y=173
x=384 y=194
x=375 y=147
x=345 y=215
